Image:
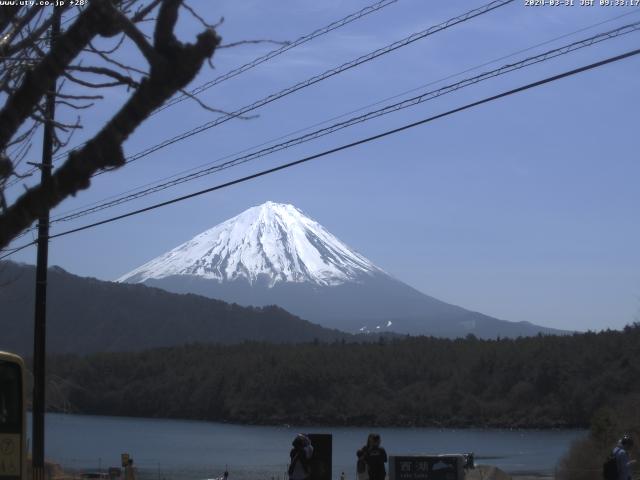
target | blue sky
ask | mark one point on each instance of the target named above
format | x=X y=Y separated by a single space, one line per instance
x=525 y=208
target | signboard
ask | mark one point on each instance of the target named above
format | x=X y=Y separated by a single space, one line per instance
x=321 y=461
x=426 y=467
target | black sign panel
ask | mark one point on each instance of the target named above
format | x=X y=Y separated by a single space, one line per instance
x=321 y=461
x=426 y=467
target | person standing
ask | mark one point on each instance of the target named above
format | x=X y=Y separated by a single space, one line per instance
x=372 y=459
x=300 y=455
x=621 y=454
x=361 y=464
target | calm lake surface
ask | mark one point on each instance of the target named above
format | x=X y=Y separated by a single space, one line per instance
x=193 y=450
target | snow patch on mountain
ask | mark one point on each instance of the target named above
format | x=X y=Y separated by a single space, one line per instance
x=272 y=242
x=378 y=328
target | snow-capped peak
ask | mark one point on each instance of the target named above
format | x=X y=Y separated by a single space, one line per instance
x=273 y=242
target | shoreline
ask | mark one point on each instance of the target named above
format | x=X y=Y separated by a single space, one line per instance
x=191 y=448
x=491 y=472
x=480 y=472
x=294 y=424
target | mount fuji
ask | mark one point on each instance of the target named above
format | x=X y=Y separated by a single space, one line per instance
x=275 y=254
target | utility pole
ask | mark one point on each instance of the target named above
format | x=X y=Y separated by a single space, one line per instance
x=40 y=328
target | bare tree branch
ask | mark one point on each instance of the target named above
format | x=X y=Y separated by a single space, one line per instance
x=18 y=25
x=163 y=37
x=28 y=40
x=212 y=109
x=36 y=81
x=23 y=136
x=75 y=106
x=93 y=49
x=144 y=11
x=252 y=42
x=57 y=124
x=200 y=19
x=139 y=39
x=6 y=167
x=105 y=56
x=79 y=97
x=21 y=154
x=7 y=14
x=175 y=67
x=86 y=83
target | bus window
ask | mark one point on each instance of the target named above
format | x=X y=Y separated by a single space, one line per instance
x=11 y=419
x=10 y=396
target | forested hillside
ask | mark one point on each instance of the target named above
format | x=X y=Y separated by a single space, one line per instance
x=529 y=382
x=88 y=315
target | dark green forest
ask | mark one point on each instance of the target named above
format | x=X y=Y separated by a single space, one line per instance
x=544 y=381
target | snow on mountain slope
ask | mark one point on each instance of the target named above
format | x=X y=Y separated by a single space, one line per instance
x=271 y=242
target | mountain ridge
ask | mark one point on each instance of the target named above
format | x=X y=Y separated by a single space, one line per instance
x=273 y=241
x=274 y=254
x=86 y=315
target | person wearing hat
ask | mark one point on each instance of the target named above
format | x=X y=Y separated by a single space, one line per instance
x=301 y=453
x=621 y=454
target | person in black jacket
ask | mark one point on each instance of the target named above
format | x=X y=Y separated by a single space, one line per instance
x=374 y=457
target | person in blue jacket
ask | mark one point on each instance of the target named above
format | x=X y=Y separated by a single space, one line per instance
x=621 y=454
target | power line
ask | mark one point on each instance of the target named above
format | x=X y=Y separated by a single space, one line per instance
x=323 y=76
x=320 y=77
x=279 y=51
x=379 y=102
x=359 y=142
x=416 y=100
x=264 y=58
x=362 y=141
x=11 y=251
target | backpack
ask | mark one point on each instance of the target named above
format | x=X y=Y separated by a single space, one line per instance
x=610 y=468
x=302 y=458
x=292 y=465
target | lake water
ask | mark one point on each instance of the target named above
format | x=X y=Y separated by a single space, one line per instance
x=193 y=450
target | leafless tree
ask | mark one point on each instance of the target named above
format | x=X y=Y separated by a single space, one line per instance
x=84 y=67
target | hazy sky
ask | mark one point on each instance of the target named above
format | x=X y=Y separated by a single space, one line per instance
x=525 y=208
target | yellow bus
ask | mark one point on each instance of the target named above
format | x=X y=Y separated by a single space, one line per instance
x=13 y=423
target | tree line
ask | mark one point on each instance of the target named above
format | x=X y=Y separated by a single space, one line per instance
x=543 y=381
